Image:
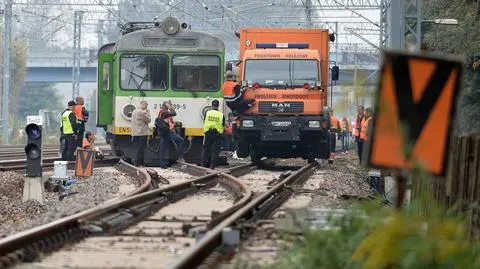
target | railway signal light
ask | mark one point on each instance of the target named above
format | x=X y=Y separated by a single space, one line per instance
x=335 y=73
x=33 y=150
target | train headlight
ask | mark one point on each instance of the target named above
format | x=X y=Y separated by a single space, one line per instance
x=170 y=26
x=205 y=110
x=314 y=124
x=127 y=111
x=247 y=123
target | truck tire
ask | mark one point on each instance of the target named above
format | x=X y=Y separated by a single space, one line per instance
x=243 y=149
x=255 y=155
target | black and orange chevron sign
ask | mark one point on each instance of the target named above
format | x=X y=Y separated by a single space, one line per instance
x=84 y=163
x=414 y=113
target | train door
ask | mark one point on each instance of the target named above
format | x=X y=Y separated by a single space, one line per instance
x=105 y=89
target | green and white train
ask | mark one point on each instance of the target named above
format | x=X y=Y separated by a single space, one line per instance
x=156 y=63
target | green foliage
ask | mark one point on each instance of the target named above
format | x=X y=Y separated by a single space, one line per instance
x=38 y=96
x=18 y=71
x=385 y=239
x=462 y=40
x=422 y=236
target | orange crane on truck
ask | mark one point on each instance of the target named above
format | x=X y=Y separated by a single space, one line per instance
x=286 y=71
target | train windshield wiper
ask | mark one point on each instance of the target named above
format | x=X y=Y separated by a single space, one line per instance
x=132 y=76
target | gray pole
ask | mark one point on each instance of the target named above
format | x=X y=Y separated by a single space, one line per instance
x=77 y=37
x=6 y=69
x=100 y=33
x=308 y=12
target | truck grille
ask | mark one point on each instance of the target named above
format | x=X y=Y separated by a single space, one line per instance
x=280 y=107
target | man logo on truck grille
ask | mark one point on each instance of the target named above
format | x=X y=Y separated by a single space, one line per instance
x=280 y=105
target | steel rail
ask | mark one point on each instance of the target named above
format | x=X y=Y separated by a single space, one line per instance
x=48 y=162
x=194 y=256
x=20 y=246
x=14 y=247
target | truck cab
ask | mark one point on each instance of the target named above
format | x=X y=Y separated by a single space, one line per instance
x=289 y=81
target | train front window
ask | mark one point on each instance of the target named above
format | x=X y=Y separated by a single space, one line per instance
x=281 y=72
x=144 y=72
x=195 y=73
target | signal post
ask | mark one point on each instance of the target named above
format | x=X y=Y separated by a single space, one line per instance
x=33 y=186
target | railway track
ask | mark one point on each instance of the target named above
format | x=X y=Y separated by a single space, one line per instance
x=17 y=152
x=11 y=165
x=158 y=226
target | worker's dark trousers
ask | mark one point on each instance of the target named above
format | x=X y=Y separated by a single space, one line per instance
x=333 y=141
x=69 y=148
x=211 y=148
x=139 y=142
x=80 y=133
x=360 y=149
x=239 y=106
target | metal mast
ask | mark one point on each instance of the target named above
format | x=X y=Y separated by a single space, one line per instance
x=77 y=37
x=405 y=20
x=308 y=12
x=7 y=40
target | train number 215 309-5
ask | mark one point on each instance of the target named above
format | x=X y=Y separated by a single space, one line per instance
x=174 y=106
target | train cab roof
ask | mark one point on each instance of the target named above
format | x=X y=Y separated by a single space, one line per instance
x=159 y=39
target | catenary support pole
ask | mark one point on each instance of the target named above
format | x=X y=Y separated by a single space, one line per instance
x=77 y=37
x=7 y=40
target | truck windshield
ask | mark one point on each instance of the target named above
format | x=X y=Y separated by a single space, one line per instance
x=281 y=72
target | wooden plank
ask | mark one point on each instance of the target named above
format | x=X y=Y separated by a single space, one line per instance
x=461 y=170
x=472 y=173
x=453 y=169
x=454 y=181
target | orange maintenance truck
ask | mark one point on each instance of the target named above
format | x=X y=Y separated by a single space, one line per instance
x=286 y=71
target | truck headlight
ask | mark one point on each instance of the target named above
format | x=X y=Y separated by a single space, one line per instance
x=247 y=123
x=314 y=124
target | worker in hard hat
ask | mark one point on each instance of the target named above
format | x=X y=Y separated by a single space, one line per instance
x=233 y=95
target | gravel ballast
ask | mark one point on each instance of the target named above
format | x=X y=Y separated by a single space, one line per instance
x=15 y=215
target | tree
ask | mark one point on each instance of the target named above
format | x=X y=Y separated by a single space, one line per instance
x=37 y=96
x=462 y=40
x=18 y=70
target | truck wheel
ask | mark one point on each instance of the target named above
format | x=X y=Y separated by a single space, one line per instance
x=243 y=149
x=255 y=155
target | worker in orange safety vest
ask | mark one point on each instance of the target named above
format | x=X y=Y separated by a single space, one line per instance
x=81 y=113
x=346 y=132
x=233 y=95
x=334 y=129
x=364 y=131
x=358 y=126
x=88 y=144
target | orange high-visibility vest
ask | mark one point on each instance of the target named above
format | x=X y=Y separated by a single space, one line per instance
x=86 y=144
x=228 y=90
x=358 y=126
x=364 y=131
x=78 y=112
x=333 y=122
